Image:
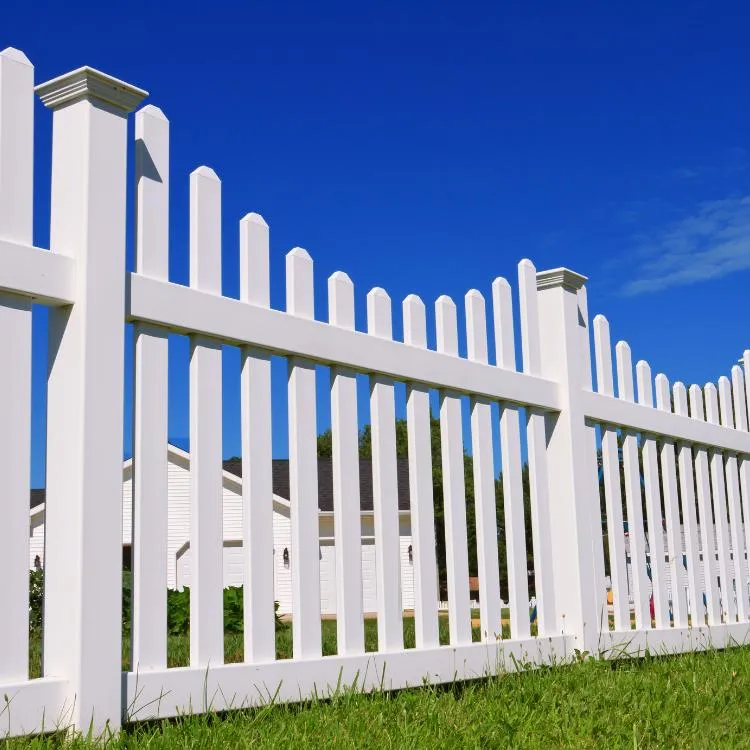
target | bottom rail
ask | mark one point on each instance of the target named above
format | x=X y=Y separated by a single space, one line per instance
x=185 y=690
x=620 y=644
x=35 y=706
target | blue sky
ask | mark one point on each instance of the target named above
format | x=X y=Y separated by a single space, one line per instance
x=427 y=147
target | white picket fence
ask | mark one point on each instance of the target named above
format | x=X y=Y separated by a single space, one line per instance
x=703 y=450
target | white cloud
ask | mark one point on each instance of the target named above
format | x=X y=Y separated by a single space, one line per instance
x=713 y=242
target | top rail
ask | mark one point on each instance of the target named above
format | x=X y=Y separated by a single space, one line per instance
x=185 y=310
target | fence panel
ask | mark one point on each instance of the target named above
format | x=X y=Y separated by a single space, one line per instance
x=91 y=298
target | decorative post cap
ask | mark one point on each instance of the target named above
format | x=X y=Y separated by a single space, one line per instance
x=563 y=277
x=90 y=85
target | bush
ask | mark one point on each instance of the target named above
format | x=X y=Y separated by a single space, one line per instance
x=178 y=606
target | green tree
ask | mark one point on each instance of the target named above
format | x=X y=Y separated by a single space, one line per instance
x=325 y=450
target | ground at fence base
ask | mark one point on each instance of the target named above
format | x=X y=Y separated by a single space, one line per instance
x=591 y=704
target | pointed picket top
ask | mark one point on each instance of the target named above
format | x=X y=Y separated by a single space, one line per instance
x=746 y=375
x=415 y=321
x=529 y=303
x=205 y=230
x=205 y=172
x=300 y=296
x=679 y=393
x=151 y=110
x=738 y=394
x=255 y=279
x=645 y=385
x=502 y=318
x=696 y=403
x=725 y=402
x=15 y=55
x=447 y=325
x=662 y=393
x=341 y=300
x=254 y=218
x=603 y=355
x=476 y=326
x=624 y=370
x=16 y=146
x=712 y=403
x=152 y=192
x=379 y=317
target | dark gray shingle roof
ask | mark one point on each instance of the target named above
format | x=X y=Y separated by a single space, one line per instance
x=325 y=481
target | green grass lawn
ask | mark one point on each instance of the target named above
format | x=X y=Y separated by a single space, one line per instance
x=691 y=701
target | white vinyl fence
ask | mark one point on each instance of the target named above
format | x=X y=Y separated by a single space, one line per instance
x=689 y=448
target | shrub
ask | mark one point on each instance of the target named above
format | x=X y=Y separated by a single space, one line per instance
x=178 y=606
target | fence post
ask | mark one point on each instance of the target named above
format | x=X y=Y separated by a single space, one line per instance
x=83 y=524
x=569 y=447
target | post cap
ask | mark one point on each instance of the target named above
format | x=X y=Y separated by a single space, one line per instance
x=563 y=277
x=90 y=85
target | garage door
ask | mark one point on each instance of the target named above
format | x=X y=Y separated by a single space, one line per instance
x=369 y=585
x=327 y=579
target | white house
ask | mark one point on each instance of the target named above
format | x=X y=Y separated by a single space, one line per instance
x=178 y=567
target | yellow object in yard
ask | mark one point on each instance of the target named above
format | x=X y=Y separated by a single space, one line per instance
x=609 y=596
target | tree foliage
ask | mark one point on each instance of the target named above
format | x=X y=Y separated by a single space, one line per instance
x=325 y=450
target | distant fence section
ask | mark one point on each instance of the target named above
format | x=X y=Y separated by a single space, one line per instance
x=637 y=520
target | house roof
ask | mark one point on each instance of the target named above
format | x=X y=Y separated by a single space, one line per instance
x=325 y=481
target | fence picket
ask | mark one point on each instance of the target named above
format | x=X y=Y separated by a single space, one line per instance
x=671 y=509
x=16 y=204
x=611 y=473
x=484 y=477
x=705 y=514
x=687 y=490
x=384 y=485
x=303 y=470
x=595 y=515
x=718 y=486
x=536 y=438
x=346 y=505
x=653 y=504
x=633 y=493
x=454 y=490
x=420 y=487
x=150 y=511
x=741 y=417
x=206 y=499
x=731 y=475
x=257 y=482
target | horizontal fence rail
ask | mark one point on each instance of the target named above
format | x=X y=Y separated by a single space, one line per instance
x=610 y=506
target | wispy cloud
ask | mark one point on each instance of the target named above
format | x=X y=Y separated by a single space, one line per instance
x=684 y=173
x=711 y=243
